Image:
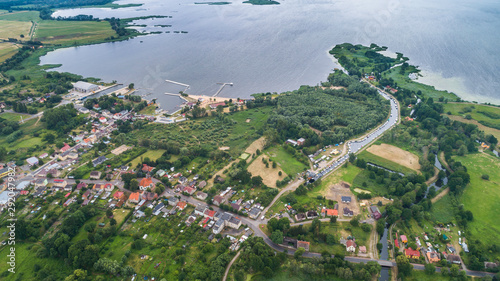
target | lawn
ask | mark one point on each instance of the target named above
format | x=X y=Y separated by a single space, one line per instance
x=482 y=113
x=482 y=197
x=151 y=154
x=441 y=210
x=285 y=160
x=21 y=16
x=12 y=116
x=73 y=32
x=148 y=110
x=26 y=261
x=377 y=160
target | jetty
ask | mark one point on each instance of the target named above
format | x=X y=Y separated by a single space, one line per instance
x=222 y=87
x=180 y=84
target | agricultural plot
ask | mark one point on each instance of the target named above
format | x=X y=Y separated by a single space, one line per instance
x=482 y=197
x=392 y=158
x=70 y=32
x=19 y=30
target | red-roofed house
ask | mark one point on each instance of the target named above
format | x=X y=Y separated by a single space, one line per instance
x=330 y=212
x=189 y=190
x=108 y=187
x=181 y=205
x=65 y=147
x=209 y=213
x=146 y=168
x=134 y=197
x=146 y=183
x=214 y=105
x=396 y=243
x=350 y=246
x=118 y=195
x=412 y=254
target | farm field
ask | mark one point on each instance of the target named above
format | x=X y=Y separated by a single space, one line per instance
x=73 y=32
x=20 y=16
x=392 y=157
x=7 y=50
x=482 y=196
x=14 y=29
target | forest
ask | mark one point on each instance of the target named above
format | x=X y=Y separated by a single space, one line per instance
x=338 y=114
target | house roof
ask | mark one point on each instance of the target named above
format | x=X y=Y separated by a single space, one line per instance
x=182 y=205
x=412 y=253
x=350 y=243
x=330 y=212
x=85 y=85
x=134 y=196
x=146 y=182
x=303 y=244
x=362 y=249
x=118 y=194
x=403 y=238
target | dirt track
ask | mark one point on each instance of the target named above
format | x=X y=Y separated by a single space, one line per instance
x=395 y=154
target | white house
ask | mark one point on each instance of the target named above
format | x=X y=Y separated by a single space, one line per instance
x=32 y=161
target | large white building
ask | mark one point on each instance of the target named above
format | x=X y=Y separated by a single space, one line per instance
x=84 y=87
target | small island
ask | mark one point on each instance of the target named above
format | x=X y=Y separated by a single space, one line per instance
x=262 y=2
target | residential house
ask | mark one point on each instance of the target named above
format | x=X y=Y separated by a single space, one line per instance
x=40 y=183
x=202 y=184
x=254 y=213
x=81 y=185
x=330 y=212
x=300 y=217
x=233 y=222
x=134 y=197
x=190 y=220
x=218 y=200
x=362 y=250
x=303 y=244
x=189 y=190
x=95 y=175
x=450 y=248
x=433 y=257
x=348 y=212
x=146 y=168
x=118 y=195
x=99 y=160
x=396 y=243
x=350 y=246
x=68 y=187
x=172 y=201
x=65 y=148
x=346 y=199
x=146 y=183
x=454 y=259
x=412 y=254
x=292 y=142
x=301 y=141
x=209 y=214
x=60 y=183
x=87 y=194
x=149 y=196
x=376 y=213
x=201 y=195
x=311 y=215
x=218 y=227
x=43 y=156
x=235 y=206
x=199 y=210
x=403 y=238
x=68 y=155
x=181 y=205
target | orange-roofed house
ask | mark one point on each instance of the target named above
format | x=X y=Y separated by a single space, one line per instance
x=330 y=212
x=303 y=244
x=118 y=195
x=146 y=183
x=181 y=205
x=134 y=197
x=433 y=257
x=412 y=254
x=146 y=168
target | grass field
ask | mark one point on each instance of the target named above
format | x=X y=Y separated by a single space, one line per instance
x=151 y=154
x=441 y=210
x=11 y=116
x=482 y=197
x=285 y=160
x=371 y=185
x=7 y=50
x=404 y=81
x=481 y=113
x=14 y=29
x=386 y=163
x=342 y=174
x=21 y=16
x=71 y=32
x=148 y=110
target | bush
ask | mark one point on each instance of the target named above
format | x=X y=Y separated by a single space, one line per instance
x=485 y=177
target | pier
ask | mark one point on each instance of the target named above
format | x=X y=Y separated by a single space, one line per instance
x=222 y=87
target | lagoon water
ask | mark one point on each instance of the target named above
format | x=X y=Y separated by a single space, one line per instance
x=280 y=47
